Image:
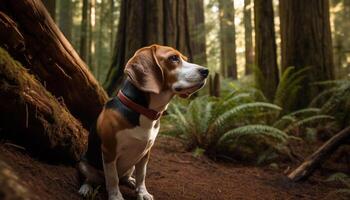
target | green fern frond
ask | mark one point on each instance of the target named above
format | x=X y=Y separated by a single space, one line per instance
x=323 y=95
x=284 y=121
x=256 y=131
x=309 y=121
x=332 y=83
x=305 y=112
x=239 y=112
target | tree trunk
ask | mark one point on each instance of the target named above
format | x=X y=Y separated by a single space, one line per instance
x=84 y=31
x=39 y=121
x=315 y=160
x=265 y=47
x=306 y=42
x=227 y=39
x=142 y=23
x=248 y=37
x=39 y=45
x=51 y=7
x=66 y=18
x=341 y=21
x=197 y=31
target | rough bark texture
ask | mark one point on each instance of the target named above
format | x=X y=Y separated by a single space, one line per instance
x=265 y=46
x=12 y=187
x=51 y=7
x=197 y=31
x=214 y=85
x=39 y=45
x=84 y=31
x=248 y=37
x=39 y=120
x=142 y=23
x=306 y=42
x=316 y=159
x=227 y=39
x=66 y=18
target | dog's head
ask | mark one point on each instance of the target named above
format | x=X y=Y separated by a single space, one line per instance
x=159 y=68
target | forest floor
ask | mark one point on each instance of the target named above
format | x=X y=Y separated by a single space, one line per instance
x=175 y=174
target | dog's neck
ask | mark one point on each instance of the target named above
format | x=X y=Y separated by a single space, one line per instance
x=157 y=102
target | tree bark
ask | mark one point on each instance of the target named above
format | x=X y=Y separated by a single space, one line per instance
x=51 y=7
x=306 y=42
x=39 y=120
x=197 y=31
x=265 y=47
x=248 y=37
x=315 y=160
x=84 y=31
x=227 y=39
x=66 y=18
x=41 y=47
x=142 y=23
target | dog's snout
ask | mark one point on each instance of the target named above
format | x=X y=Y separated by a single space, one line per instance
x=204 y=72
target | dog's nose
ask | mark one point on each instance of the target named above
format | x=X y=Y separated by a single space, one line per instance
x=204 y=72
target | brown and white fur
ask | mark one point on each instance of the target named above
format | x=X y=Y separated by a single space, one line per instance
x=161 y=72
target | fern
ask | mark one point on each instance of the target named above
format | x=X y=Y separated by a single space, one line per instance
x=309 y=121
x=254 y=130
x=239 y=112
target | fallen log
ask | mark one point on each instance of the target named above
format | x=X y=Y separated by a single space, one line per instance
x=31 y=116
x=11 y=185
x=32 y=37
x=312 y=162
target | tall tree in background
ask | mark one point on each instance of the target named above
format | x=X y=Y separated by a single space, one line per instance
x=227 y=39
x=142 y=23
x=84 y=31
x=248 y=36
x=51 y=7
x=197 y=31
x=66 y=18
x=341 y=37
x=92 y=36
x=265 y=47
x=306 y=41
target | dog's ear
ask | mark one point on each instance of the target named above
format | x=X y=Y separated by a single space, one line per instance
x=144 y=71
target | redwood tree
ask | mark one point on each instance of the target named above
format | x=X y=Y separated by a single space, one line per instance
x=248 y=36
x=227 y=38
x=265 y=47
x=306 y=42
x=142 y=23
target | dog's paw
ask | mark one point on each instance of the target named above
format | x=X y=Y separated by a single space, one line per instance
x=85 y=190
x=144 y=196
x=129 y=182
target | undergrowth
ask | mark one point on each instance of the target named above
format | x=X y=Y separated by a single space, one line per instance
x=245 y=125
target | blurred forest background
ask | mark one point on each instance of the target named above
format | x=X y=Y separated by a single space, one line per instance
x=222 y=33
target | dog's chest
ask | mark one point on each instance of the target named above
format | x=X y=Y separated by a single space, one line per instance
x=133 y=144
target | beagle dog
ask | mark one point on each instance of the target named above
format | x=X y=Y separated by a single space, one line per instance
x=129 y=122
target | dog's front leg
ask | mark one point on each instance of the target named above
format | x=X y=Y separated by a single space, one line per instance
x=112 y=180
x=140 y=170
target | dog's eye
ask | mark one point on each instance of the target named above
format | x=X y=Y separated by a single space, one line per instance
x=174 y=58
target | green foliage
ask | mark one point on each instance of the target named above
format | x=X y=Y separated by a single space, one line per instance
x=335 y=100
x=242 y=121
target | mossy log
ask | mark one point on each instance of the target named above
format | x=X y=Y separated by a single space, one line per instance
x=12 y=188
x=30 y=35
x=31 y=116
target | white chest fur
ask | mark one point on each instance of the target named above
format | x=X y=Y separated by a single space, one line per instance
x=133 y=144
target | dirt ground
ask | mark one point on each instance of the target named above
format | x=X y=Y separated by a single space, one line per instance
x=173 y=173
